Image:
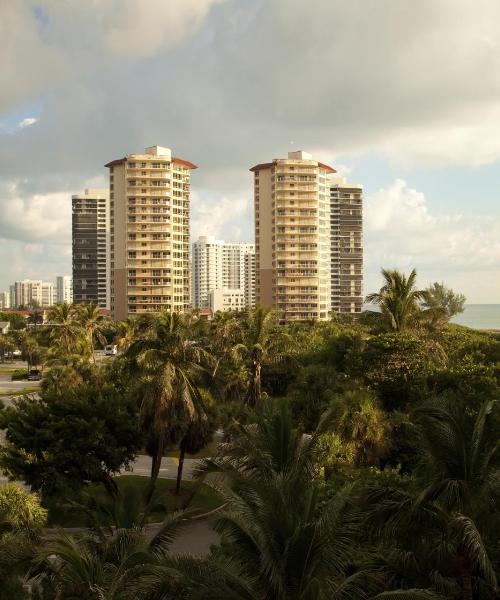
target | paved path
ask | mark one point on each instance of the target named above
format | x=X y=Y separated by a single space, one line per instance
x=168 y=470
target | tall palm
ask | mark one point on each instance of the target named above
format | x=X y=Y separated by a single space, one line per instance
x=259 y=342
x=127 y=333
x=65 y=329
x=172 y=369
x=453 y=521
x=91 y=322
x=398 y=298
x=280 y=538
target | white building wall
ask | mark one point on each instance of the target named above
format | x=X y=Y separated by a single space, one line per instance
x=218 y=265
x=227 y=299
x=64 y=289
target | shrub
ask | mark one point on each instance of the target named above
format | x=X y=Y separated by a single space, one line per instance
x=19 y=375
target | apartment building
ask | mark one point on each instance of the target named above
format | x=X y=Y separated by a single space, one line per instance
x=32 y=293
x=64 y=289
x=227 y=299
x=293 y=236
x=91 y=238
x=4 y=300
x=249 y=266
x=149 y=229
x=218 y=265
x=346 y=212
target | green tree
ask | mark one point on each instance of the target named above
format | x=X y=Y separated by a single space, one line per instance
x=172 y=369
x=199 y=433
x=259 y=342
x=449 y=525
x=358 y=419
x=21 y=509
x=60 y=443
x=398 y=298
x=21 y=520
x=101 y=564
x=6 y=347
x=65 y=329
x=440 y=298
x=280 y=539
x=92 y=324
x=17 y=321
x=127 y=333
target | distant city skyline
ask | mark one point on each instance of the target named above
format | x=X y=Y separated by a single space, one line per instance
x=387 y=101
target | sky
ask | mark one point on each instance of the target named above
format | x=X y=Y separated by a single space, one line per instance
x=400 y=96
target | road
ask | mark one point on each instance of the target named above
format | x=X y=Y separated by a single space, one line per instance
x=142 y=466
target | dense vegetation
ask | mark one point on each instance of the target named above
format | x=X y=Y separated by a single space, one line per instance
x=358 y=460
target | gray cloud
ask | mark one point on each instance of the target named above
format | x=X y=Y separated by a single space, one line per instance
x=230 y=83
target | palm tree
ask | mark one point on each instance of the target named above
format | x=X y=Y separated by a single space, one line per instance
x=65 y=327
x=398 y=298
x=172 y=369
x=452 y=523
x=127 y=333
x=102 y=564
x=280 y=538
x=258 y=343
x=360 y=421
x=91 y=322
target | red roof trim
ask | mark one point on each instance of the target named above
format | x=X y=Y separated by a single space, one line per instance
x=262 y=166
x=116 y=162
x=185 y=163
x=327 y=168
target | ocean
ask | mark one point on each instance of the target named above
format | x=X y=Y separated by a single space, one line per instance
x=479 y=316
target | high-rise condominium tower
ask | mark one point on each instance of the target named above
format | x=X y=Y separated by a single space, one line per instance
x=149 y=206
x=218 y=266
x=32 y=293
x=90 y=231
x=347 y=246
x=64 y=289
x=293 y=236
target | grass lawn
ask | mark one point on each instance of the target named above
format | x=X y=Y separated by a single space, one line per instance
x=19 y=392
x=204 y=500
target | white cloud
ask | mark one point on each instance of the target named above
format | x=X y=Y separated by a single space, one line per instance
x=401 y=232
x=27 y=122
x=220 y=217
x=35 y=217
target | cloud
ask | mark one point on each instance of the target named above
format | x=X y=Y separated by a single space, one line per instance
x=401 y=232
x=220 y=217
x=36 y=217
x=228 y=84
x=27 y=122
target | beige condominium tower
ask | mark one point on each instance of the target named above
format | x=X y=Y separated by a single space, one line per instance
x=293 y=236
x=149 y=228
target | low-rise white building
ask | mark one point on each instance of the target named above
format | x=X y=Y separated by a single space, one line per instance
x=227 y=299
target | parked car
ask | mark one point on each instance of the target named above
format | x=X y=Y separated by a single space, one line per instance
x=110 y=350
x=34 y=375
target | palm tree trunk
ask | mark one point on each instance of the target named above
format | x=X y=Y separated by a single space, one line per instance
x=254 y=391
x=155 y=471
x=109 y=484
x=179 y=470
x=467 y=586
